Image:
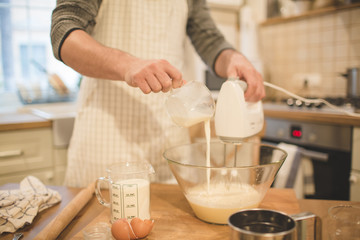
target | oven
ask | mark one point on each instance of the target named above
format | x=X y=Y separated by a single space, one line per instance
x=328 y=147
x=332 y=148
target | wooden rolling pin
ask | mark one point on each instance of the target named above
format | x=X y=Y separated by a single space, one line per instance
x=57 y=225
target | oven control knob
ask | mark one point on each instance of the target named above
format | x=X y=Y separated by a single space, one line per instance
x=280 y=132
x=312 y=137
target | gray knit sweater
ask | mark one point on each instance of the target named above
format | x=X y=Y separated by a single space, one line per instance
x=81 y=14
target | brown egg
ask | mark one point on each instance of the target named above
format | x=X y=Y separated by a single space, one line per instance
x=140 y=227
x=121 y=230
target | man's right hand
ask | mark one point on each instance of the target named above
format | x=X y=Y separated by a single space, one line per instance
x=152 y=75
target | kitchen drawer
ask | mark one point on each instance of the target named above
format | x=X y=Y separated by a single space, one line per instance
x=25 y=150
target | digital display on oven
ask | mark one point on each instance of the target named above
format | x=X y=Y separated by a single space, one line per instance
x=296 y=132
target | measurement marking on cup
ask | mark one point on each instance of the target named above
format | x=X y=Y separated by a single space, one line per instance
x=116 y=201
x=130 y=200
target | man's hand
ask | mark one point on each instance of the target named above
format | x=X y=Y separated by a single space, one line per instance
x=153 y=75
x=231 y=63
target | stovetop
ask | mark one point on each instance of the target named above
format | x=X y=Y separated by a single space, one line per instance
x=291 y=104
x=337 y=101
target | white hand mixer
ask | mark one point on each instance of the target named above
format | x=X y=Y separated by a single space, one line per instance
x=235 y=119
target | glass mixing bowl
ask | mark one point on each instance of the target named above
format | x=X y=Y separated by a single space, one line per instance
x=233 y=178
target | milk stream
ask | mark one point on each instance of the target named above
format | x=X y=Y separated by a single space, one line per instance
x=194 y=118
x=208 y=138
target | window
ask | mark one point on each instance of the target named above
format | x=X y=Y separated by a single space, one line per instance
x=26 y=57
x=35 y=54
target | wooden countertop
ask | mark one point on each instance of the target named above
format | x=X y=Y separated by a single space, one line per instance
x=314 y=117
x=26 y=120
x=16 y=121
x=173 y=216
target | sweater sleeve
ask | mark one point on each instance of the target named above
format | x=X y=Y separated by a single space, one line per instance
x=69 y=15
x=203 y=33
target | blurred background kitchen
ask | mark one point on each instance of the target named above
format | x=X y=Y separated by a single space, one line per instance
x=309 y=47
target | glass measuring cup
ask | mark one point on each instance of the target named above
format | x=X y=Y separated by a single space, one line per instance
x=190 y=104
x=344 y=222
x=129 y=188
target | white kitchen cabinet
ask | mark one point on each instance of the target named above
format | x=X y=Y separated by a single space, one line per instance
x=355 y=166
x=60 y=161
x=30 y=152
x=25 y=150
x=355 y=185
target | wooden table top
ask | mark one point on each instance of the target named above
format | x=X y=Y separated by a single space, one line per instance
x=17 y=121
x=173 y=216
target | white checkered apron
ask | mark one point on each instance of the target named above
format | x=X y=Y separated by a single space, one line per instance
x=115 y=121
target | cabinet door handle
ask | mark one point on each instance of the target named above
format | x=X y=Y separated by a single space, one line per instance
x=11 y=153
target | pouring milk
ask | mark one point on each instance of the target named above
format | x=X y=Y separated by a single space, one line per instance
x=192 y=104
